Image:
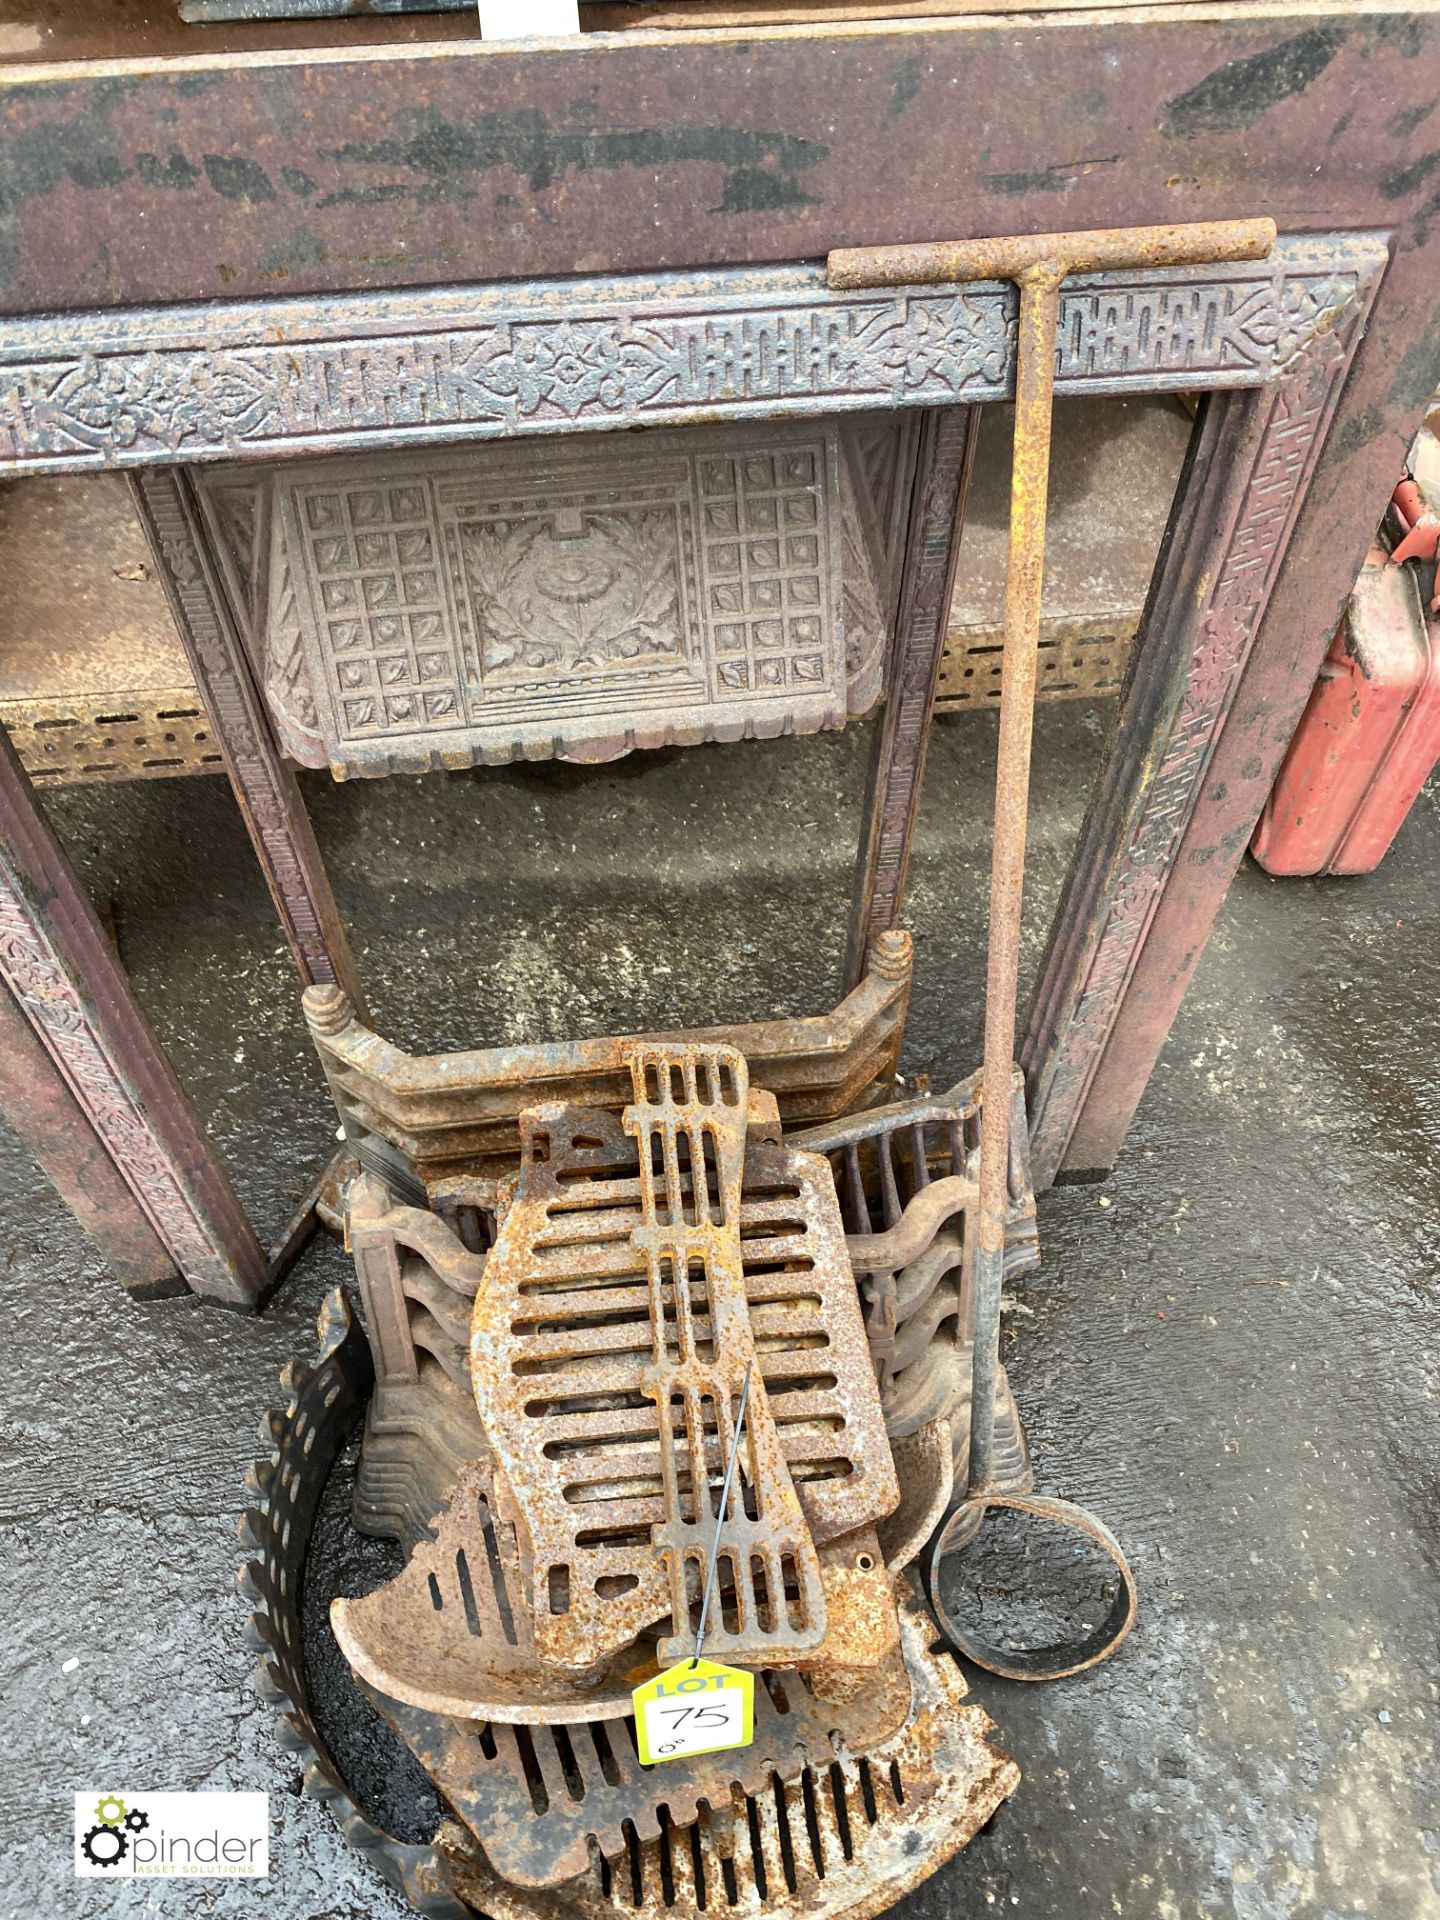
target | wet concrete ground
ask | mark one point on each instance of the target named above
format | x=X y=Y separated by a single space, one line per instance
x=1230 y=1350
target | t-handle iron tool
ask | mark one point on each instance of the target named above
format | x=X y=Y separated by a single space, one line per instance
x=1038 y=264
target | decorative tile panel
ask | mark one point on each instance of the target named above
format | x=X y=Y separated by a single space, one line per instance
x=370 y=559
x=481 y=603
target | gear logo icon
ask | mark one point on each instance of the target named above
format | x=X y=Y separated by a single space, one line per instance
x=105 y=1846
x=107 y=1843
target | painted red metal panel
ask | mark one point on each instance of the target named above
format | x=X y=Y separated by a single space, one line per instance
x=1368 y=738
x=208 y=175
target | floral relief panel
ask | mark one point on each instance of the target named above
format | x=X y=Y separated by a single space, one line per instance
x=486 y=603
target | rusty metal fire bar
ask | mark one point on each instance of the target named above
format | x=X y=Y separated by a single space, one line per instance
x=1038 y=264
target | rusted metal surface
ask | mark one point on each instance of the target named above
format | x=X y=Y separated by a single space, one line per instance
x=925 y=1467
x=643 y=1259
x=918 y=1314
x=474 y=605
x=691 y=1107
x=40 y=1105
x=541 y=1798
x=423 y=1423
x=1038 y=264
x=1065 y=1657
x=916 y=1228
x=771 y=173
x=422 y=1427
x=324 y=1400
x=111 y=734
x=1223 y=670
x=834 y=1810
x=897 y=763
x=1114 y=469
x=449 y=1124
x=280 y=830
x=769 y=1570
x=536 y=1801
x=1079 y=659
x=454 y=1634
x=1042 y=260
x=1248 y=349
x=94 y=684
x=858 y=1828
x=1039 y=280
x=601 y=1283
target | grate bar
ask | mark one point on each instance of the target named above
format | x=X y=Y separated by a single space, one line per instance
x=696 y=1099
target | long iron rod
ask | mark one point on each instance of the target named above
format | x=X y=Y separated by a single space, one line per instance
x=1024 y=582
x=934 y=261
x=1038 y=263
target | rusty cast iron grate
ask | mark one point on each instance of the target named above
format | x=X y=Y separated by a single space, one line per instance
x=837 y=1808
x=443 y=1129
x=848 y=1833
x=651 y=1263
x=643 y=1263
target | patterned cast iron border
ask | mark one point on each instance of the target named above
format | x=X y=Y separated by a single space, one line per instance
x=257 y=379
x=1251 y=461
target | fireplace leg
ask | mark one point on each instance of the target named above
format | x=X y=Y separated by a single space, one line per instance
x=263 y=784
x=54 y=1126
x=66 y=978
x=901 y=735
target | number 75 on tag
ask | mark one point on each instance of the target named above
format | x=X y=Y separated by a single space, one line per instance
x=697 y=1707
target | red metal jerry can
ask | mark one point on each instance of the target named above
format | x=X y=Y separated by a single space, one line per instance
x=1368 y=738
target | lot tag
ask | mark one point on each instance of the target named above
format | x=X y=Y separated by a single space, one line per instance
x=697 y=1707
x=528 y=19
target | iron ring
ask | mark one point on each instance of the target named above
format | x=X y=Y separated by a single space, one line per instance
x=1063 y=1657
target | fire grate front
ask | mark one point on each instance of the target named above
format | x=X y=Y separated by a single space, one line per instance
x=848 y=1837
x=443 y=1129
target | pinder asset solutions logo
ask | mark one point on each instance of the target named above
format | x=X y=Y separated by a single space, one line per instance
x=172 y=1835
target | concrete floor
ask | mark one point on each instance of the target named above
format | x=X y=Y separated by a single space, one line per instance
x=1230 y=1349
